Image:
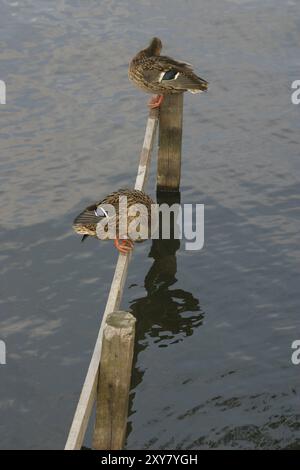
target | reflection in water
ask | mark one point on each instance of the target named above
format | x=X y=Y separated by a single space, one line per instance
x=165 y=314
x=161 y=313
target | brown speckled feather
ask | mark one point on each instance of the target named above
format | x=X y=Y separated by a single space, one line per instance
x=86 y=222
x=163 y=75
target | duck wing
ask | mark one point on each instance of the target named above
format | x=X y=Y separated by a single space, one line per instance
x=173 y=75
x=90 y=216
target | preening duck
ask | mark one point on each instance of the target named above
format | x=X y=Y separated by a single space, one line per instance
x=88 y=221
x=162 y=75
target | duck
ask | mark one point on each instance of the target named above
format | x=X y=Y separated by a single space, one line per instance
x=162 y=75
x=107 y=211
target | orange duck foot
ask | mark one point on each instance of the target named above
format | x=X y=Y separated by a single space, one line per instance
x=156 y=101
x=123 y=246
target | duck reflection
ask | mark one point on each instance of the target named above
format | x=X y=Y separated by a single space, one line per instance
x=166 y=314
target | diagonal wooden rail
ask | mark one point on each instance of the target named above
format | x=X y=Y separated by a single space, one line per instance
x=89 y=390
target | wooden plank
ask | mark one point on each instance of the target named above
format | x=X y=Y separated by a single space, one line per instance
x=170 y=139
x=114 y=381
x=145 y=157
x=88 y=393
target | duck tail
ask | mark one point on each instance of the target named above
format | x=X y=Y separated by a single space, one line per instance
x=186 y=80
x=86 y=222
x=87 y=217
x=199 y=85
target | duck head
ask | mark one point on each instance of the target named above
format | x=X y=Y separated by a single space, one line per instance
x=154 y=47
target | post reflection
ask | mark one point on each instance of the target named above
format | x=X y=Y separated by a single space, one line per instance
x=167 y=313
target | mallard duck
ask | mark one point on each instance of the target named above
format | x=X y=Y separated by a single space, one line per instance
x=162 y=75
x=86 y=223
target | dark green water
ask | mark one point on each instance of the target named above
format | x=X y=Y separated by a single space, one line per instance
x=214 y=328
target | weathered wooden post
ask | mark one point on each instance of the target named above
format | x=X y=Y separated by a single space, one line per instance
x=114 y=381
x=170 y=138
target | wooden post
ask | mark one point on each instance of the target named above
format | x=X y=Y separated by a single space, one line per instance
x=170 y=137
x=114 y=381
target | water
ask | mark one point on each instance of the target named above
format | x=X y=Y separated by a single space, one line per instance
x=215 y=327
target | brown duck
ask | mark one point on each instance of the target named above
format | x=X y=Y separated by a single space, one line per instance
x=86 y=222
x=162 y=75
